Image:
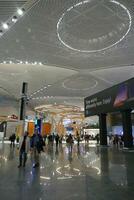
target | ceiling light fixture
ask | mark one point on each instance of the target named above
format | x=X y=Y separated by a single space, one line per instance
x=14 y=19
x=5 y=25
x=20 y=11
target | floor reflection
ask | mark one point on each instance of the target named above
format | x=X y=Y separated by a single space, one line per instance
x=79 y=172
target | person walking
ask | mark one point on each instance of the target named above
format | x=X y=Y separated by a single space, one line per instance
x=24 y=147
x=70 y=142
x=12 y=140
x=37 y=146
x=57 y=139
x=97 y=137
x=78 y=138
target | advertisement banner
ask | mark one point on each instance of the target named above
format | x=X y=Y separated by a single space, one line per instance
x=46 y=129
x=31 y=128
x=116 y=98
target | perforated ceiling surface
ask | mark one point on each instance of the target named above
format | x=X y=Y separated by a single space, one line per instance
x=8 y=7
x=85 y=46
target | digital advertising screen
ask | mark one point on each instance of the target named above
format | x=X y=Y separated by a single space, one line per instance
x=116 y=98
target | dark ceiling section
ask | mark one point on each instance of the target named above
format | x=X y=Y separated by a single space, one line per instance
x=8 y=8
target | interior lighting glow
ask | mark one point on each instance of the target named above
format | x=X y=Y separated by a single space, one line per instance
x=5 y=26
x=67 y=166
x=20 y=12
x=68 y=88
x=98 y=170
x=77 y=170
x=58 y=170
x=98 y=50
x=64 y=177
x=43 y=177
x=14 y=19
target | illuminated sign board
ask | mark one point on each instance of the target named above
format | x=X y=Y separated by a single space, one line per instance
x=116 y=98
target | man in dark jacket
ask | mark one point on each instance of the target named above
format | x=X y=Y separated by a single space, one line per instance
x=37 y=146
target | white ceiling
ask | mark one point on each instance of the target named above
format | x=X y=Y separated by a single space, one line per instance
x=84 y=49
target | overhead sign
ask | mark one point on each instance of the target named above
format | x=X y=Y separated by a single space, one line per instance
x=113 y=99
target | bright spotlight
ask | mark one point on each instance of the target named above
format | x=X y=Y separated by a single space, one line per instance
x=20 y=12
x=5 y=26
x=14 y=19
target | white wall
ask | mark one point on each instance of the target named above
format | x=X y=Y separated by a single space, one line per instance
x=8 y=110
x=11 y=128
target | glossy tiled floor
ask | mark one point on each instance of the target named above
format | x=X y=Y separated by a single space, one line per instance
x=86 y=173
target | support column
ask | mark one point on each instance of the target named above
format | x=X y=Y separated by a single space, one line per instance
x=23 y=101
x=103 y=129
x=127 y=128
x=104 y=163
x=23 y=105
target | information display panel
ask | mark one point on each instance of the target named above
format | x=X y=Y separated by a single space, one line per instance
x=116 y=98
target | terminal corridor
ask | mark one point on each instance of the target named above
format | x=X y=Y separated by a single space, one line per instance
x=83 y=173
x=67 y=100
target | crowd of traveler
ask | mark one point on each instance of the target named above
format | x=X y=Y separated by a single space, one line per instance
x=116 y=140
x=35 y=144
